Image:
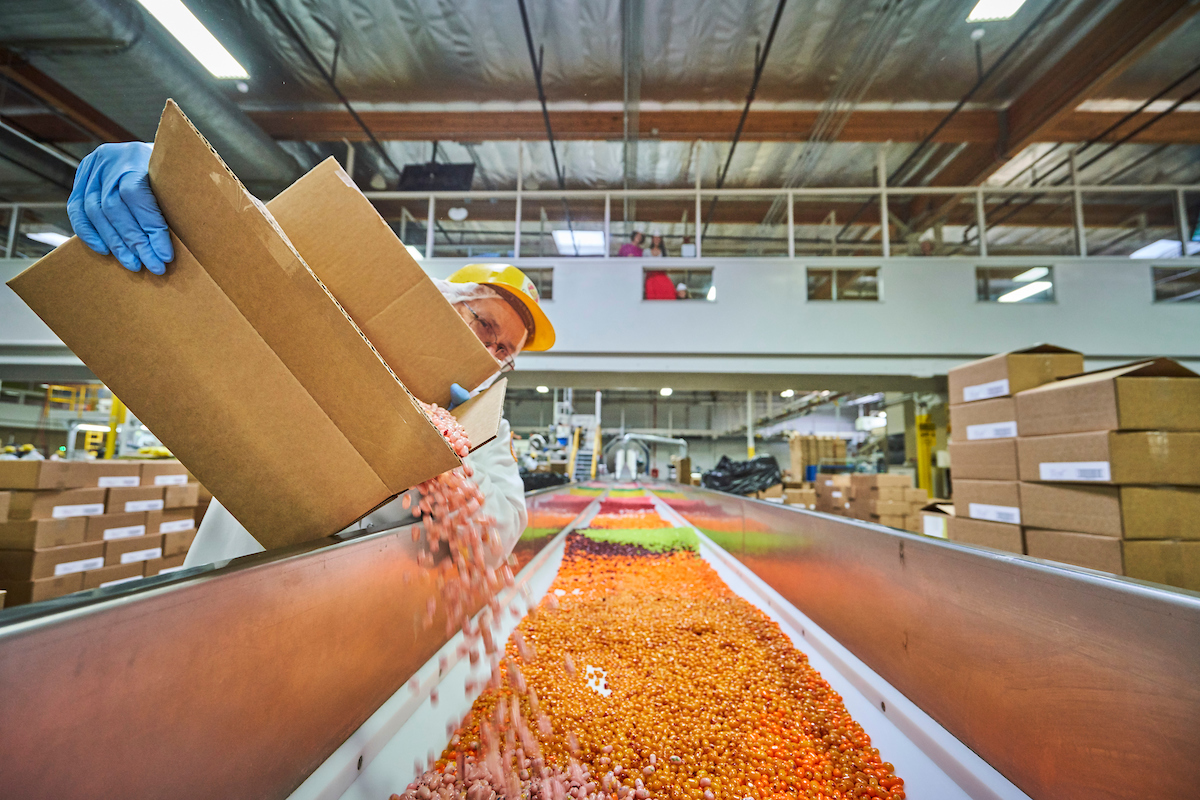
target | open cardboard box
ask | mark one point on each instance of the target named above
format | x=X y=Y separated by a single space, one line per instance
x=243 y=363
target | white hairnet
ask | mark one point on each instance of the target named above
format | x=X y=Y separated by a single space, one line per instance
x=463 y=292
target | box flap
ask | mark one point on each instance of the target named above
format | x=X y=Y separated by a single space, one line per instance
x=362 y=262
x=1152 y=368
x=480 y=416
x=1043 y=348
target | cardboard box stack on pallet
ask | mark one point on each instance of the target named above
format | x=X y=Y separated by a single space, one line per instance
x=833 y=493
x=812 y=451
x=983 y=441
x=75 y=525
x=887 y=499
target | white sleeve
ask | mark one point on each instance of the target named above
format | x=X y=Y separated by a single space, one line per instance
x=221 y=537
x=500 y=481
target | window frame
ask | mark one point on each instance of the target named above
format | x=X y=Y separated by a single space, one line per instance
x=833 y=292
x=1018 y=268
x=1155 y=299
x=687 y=272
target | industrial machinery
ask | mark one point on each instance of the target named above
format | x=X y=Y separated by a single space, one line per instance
x=305 y=673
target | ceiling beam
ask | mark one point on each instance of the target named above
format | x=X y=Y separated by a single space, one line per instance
x=40 y=85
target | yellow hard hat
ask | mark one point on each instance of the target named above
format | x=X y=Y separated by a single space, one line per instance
x=8 y=448
x=515 y=284
x=26 y=448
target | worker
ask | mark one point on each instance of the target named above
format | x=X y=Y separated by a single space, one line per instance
x=31 y=453
x=113 y=210
x=9 y=453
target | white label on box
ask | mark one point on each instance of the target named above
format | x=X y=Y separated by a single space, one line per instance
x=170 y=480
x=71 y=567
x=124 y=533
x=934 y=525
x=985 y=391
x=992 y=430
x=121 y=580
x=141 y=555
x=143 y=505
x=837 y=494
x=165 y=570
x=1009 y=514
x=1074 y=471
x=86 y=510
x=177 y=525
x=118 y=481
x=829 y=483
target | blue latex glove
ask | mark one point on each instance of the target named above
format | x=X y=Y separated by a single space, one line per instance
x=113 y=210
x=458 y=395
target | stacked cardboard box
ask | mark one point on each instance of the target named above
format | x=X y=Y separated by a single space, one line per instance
x=833 y=493
x=809 y=451
x=803 y=495
x=1109 y=463
x=880 y=498
x=983 y=441
x=73 y=525
x=933 y=519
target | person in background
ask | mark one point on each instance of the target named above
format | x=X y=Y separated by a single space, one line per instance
x=681 y=291
x=113 y=210
x=9 y=453
x=659 y=286
x=657 y=248
x=633 y=248
x=31 y=453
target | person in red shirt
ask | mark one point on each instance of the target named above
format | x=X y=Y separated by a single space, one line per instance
x=659 y=286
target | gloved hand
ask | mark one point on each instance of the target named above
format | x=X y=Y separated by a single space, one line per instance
x=113 y=210
x=458 y=395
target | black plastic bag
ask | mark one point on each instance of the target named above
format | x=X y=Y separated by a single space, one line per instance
x=743 y=477
x=540 y=480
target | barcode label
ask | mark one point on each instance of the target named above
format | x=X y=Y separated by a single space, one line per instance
x=829 y=483
x=141 y=555
x=1075 y=471
x=121 y=580
x=170 y=480
x=117 y=481
x=985 y=391
x=992 y=430
x=837 y=494
x=991 y=513
x=175 y=526
x=85 y=510
x=71 y=567
x=934 y=526
x=144 y=505
x=125 y=533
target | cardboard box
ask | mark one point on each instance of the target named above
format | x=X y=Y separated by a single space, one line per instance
x=881 y=480
x=933 y=519
x=995 y=535
x=772 y=491
x=1006 y=374
x=5 y=501
x=1079 y=549
x=164 y=565
x=890 y=520
x=52 y=562
x=1146 y=457
x=137 y=498
x=58 y=504
x=992 y=460
x=39 y=475
x=107 y=474
x=882 y=508
x=167 y=472
x=805 y=498
x=240 y=317
x=177 y=544
x=185 y=496
x=3 y=595
x=172 y=520
x=1157 y=395
x=1129 y=512
x=1169 y=562
x=22 y=592
x=133 y=550
x=115 y=526
x=913 y=495
x=683 y=470
x=113 y=575
x=39 y=534
x=993 y=501
x=986 y=419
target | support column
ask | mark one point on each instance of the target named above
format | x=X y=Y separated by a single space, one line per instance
x=749 y=423
x=429 y=221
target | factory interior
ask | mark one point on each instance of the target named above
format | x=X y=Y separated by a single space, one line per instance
x=600 y=399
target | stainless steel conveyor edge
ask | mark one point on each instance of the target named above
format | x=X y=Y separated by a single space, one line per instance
x=1071 y=683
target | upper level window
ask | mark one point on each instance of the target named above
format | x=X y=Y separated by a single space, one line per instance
x=1014 y=284
x=678 y=284
x=843 y=283
x=543 y=279
x=1176 y=284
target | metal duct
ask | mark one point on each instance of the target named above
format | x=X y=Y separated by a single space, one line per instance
x=115 y=57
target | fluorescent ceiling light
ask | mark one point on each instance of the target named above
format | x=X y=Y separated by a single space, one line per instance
x=788 y=393
x=1164 y=248
x=1022 y=292
x=50 y=238
x=665 y=391
x=543 y=389
x=87 y=426
x=458 y=213
x=589 y=243
x=184 y=26
x=414 y=252
x=989 y=10
x=1032 y=274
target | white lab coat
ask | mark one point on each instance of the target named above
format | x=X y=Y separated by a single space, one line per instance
x=222 y=537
